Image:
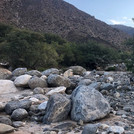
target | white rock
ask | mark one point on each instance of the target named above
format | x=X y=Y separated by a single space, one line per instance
x=22 y=80
x=33 y=99
x=43 y=105
x=110 y=79
x=57 y=90
x=68 y=73
x=116 y=129
x=44 y=77
x=117 y=95
x=7 y=86
x=103 y=126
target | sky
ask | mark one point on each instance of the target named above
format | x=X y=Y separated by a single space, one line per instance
x=109 y=11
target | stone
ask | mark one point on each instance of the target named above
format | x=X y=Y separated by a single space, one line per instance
x=34 y=72
x=40 y=97
x=22 y=80
x=7 y=86
x=57 y=80
x=69 y=125
x=5 y=120
x=37 y=82
x=19 y=71
x=78 y=70
x=18 y=124
x=19 y=114
x=12 y=105
x=50 y=71
x=58 y=108
x=116 y=129
x=85 y=82
x=5 y=128
x=90 y=129
x=88 y=104
x=68 y=73
x=38 y=90
x=34 y=100
x=43 y=106
x=2 y=106
x=4 y=73
x=57 y=90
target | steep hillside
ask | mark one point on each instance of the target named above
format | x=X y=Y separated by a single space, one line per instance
x=126 y=29
x=58 y=17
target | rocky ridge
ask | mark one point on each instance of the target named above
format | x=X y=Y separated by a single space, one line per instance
x=96 y=102
x=60 y=18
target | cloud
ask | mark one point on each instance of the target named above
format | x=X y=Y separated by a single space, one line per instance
x=125 y=18
x=115 y=22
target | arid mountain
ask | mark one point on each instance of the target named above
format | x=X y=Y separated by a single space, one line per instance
x=126 y=29
x=58 y=17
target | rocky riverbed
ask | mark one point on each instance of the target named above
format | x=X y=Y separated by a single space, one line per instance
x=73 y=101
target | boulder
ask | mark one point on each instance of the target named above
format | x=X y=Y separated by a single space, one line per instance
x=78 y=70
x=88 y=104
x=19 y=71
x=5 y=120
x=7 y=86
x=22 y=81
x=50 y=71
x=12 y=105
x=4 y=73
x=37 y=82
x=57 y=90
x=68 y=73
x=19 y=114
x=57 y=80
x=43 y=106
x=58 y=108
x=85 y=82
x=38 y=90
x=5 y=128
x=34 y=72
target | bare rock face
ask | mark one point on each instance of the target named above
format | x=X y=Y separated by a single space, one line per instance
x=58 y=17
x=88 y=104
x=7 y=86
x=58 y=108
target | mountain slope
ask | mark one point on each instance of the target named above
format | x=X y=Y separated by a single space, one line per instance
x=58 y=17
x=126 y=29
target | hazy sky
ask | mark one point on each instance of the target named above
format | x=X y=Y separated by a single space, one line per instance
x=109 y=11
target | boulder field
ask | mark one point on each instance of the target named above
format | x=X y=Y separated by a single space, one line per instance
x=73 y=101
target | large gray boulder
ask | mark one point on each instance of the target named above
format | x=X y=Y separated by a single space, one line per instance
x=78 y=70
x=12 y=105
x=50 y=71
x=37 y=82
x=57 y=81
x=58 y=108
x=88 y=104
x=7 y=86
x=4 y=73
x=22 y=81
x=19 y=71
